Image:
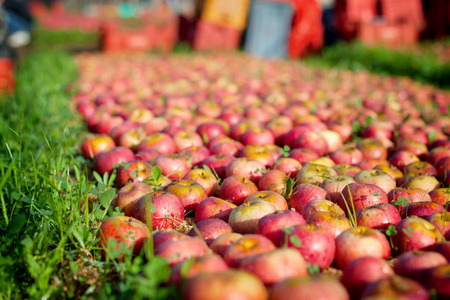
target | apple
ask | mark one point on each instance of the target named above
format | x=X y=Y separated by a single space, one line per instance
x=210 y=229
x=247 y=168
x=198 y=154
x=218 y=164
x=443 y=248
x=244 y=218
x=395 y=287
x=210 y=130
x=379 y=216
x=309 y=287
x=358 y=242
x=272 y=226
x=185 y=139
x=205 y=178
x=375 y=177
x=371 y=148
x=314 y=174
x=346 y=170
x=175 y=251
x=330 y=221
x=422 y=209
x=162 y=142
x=356 y=196
x=304 y=193
x=315 y=244
x=273 y=180
x=288 y=166
x=160 y=237
x=257 y=136
x=188 y=191
x=129 y=195
x=420 y=168
x=237 y=189
x=105 y=161
x=347 y=155
x=291 y=136
x=313 y=141
x=415 y=233
x=424 y=182
x=362 y=271
x=401 y=197
x=133 y=171
x=261 y=153
x=335 y=185
x=441 y=220
x=148 y=156
x=213 y=207
x=248 y=245
x=123 y=230
x=441 y=195
x=94 y=144
x=273 y=198
x=392 y=171
x=438 y=280
x=321 y=205
x=174 y=166
x=231 y=284
x=161 y=210
x=416 y=263
x=222 y=242
x=303 y=155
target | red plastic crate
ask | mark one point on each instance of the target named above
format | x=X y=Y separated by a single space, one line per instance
x=147 y=37
x=397 y=34
x=356 y=11
x=7 y=83
x=65 y=21
x=403 y=10
x=210 y=36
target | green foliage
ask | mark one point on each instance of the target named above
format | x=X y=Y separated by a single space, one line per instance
x=355 y=56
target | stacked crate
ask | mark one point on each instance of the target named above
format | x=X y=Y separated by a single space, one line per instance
x=221 y=25
x=7 y=83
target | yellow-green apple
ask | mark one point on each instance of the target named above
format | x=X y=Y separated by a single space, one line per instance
x=231 y=284
x=94 y=144
x=237 y=189
x=106 y=161
x=362 y=271
x=304 y=193
x=392 y=171
x=248 y=245
x=175 y=251
x=415 y=233
x=323 y=161
x=346 y=170
x=321 y=205
x=314 y=174
x=424 y=182
x=123 y=230
x=288 y=166
x=213 y=207
x=205 y=178
x=244 y=218
x=315 y=244
x=272 y=226
x=379 y=216
x=309 y=287
x=359 y=242
x=188 y=191
x=375 y=177
x=160 y=141
x=335 y=184
x=441 y=220
x=330 y=221
x=276 y=265
x=161 y=210
x=273 y=198
x=245 y=167
x=210 y=229
x=221 y=243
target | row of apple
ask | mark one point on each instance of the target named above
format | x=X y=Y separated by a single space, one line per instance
x=347 y=169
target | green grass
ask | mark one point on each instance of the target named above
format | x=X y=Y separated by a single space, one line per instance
x=48 y=236
x=64 y=39
x=424 y=68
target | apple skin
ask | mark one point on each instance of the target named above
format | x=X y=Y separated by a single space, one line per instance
x=129 y=195
x=185 y=139
x=160 y=237
x=213 y=207
x=316 y=245
x=443 y=248
x=313 y=141
x=441 y=196
x=206 y=179
x=262 y=153
x=441 y=220
x=209 y=263
x=210 y=229
x=129 y=231
x=303 y=155
x=321 y=205
x=361 y=195
x=162 y=142
x=291 y=136
x=363 y=271
x=135 y=171
x=248 y=245
x=346 y=170
x=443 y=167
x=422 y=209
x=439 y=281
x=244 y=218
x=148 y=155
x=218 y=163
x=371 y=148
x=164 y=204
x=198 y=154
x=411 y=196
x=273 y=198
x=400 y=159
x=276 y=265
x=314 y=174
x=94 y=144
x=237 y=189
x=375 y=177
x=379 y=216
x=359 y=242
x=245 y=167
x=188 y=191
x=437 y=153
x=231 y=284
x=395 y=287
x=335 y=185
x=416 y=263
x=420 y=168
x=271 y=226
x=131 y=138
x=174 y=166
x=210 y=130
x=309 y=287
x=330 y=221
x=273 y=180
x=347 y=155
x=288 y=166
x=221 y=243
x=175 y=251
x=304 y=193
x=333 y=139
x=257 y=136
x=105 y=161
x=424 y=182
x=422 y=236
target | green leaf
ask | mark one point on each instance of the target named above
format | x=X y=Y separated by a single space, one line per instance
x=156 y=173
x=431 y=136
x=105 y=198
x=295 y=241
x=186 y=267
x=16 y=224
x=97 y=176
x=98 y=213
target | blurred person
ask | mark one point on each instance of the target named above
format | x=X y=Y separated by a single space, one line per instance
x=18 y=22
x=329 y=21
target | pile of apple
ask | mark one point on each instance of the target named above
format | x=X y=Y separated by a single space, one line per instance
x=279 y=172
